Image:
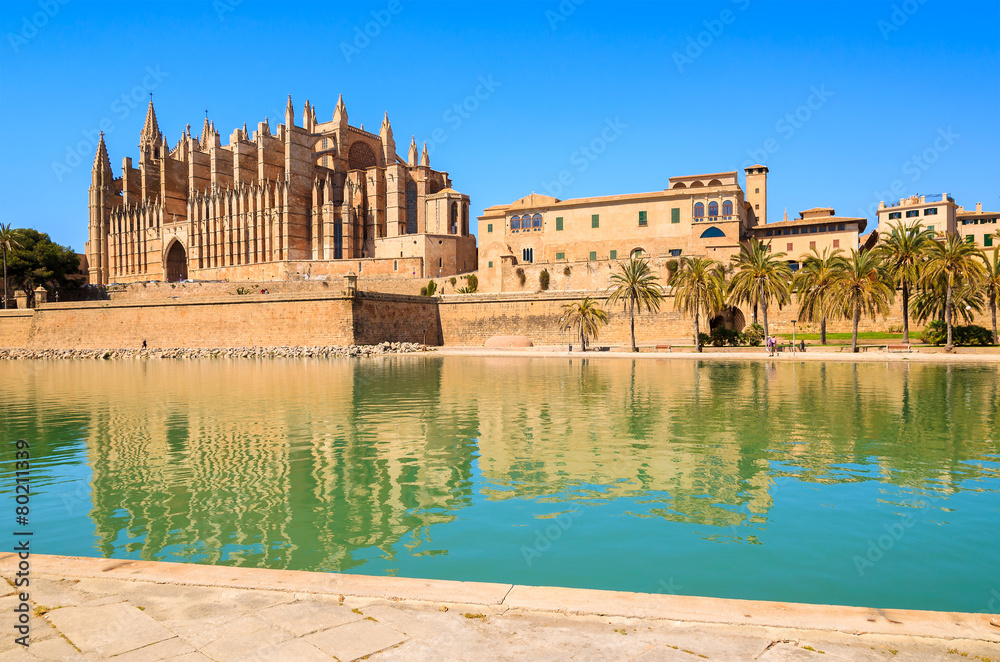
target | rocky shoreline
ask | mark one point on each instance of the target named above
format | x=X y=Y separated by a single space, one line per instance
x=216 y=352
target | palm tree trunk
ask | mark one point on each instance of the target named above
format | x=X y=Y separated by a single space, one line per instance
x=854 y=336
x=906 y=313
x=822 y=330
x=5 y=286
x=948 y=313
x=631 y=317
x=697 y=334
x=993 y=312
x=583 y=339
x=763 y=309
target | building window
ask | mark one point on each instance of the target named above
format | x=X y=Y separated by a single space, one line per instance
x=987 y=240
x=560 y=256
x=440 y=263
x=559 y=224
x=795 y=230
x=756 y=190
x=794 y=266
x=675 y=252
x=613 y=255
x=895 y=214
x=528 y=254
x=836 y=243
x=595 y=221
x=841 y=227
x=929 y=228
x=713 y=209
x=787 y=231
x=489 y=227
x=970 y=239
x=699 y=210
x=411 y=207
x=642 y=219
x=712 y=231
x=727 y=208
x=536 y=221
x=789 y=247
x=324 y=143
x=812 y=244
x=636 y=252
x=593 y=256
x=930 y=211
x=822 y=228
x=812 y=229
x=515 y=223
x=490 y=264
x=913 y=213
x=769 y=233
x=757 y=207
x=675 y=215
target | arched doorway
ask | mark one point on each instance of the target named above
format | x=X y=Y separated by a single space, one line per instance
x=177 y=266
x=730 y=318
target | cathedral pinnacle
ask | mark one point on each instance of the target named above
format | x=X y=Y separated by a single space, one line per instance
x=151 y=129
x=425 y=159
x=411 y=158
x=289 y=113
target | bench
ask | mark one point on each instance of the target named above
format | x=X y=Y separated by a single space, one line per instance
x=659 y=347
x=902 y=347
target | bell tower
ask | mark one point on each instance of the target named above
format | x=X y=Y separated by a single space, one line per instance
x=757 y=192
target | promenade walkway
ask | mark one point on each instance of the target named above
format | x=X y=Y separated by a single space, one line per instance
x=106 y=609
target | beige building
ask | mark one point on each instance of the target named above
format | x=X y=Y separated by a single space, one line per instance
x=818 y=228
x=935 y=212
x=978 y=227
x=304 y=201
x=696 y=215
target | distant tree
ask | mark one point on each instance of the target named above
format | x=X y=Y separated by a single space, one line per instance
x=699 y=286
x=862 y=288
x=759 y=277
x=585 y=316
x=8 y=242
x=903 y=251
x=40 y=261
x=953 y=262
x=635 y=286
x=813 y=284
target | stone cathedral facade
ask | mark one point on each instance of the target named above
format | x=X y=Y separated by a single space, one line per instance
x=300 y=202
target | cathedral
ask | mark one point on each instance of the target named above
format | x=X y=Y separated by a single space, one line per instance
x=313 y=201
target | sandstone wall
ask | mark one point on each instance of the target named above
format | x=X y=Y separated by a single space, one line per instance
x=15 y=327
x=385 y=318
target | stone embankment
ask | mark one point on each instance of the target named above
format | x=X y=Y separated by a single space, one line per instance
x=217 y=352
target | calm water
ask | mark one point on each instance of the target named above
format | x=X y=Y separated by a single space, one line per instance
x=875 y=485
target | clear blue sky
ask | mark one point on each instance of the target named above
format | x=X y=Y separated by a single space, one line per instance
x=903 y=93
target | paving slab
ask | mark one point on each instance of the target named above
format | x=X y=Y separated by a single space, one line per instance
x=108 y=629
x=305 y=617
x=356 y=640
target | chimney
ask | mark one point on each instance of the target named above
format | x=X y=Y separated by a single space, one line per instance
x=979 y=207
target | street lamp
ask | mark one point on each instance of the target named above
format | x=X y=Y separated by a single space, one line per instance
x=793 y=336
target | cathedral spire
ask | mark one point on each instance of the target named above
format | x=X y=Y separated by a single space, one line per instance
x=425 y=159
x=340 y=112
x=206 y=131
x=411 y=158
x=290 y=114
x=151 y=129
x=102 y=164
x=388 y=142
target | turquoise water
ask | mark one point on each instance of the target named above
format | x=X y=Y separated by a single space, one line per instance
x=859 y=484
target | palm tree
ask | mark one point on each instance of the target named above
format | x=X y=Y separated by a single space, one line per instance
x=862 y=288
x=929 y=302
x=699 y=286
x=760 y=276
x=813 y=283
x=991 y=287
x=635 y=286
x=584 y=315
x=903 y=251
x=954 y=262
x=8 y=242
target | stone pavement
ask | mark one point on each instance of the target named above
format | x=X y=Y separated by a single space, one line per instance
x=107 y=609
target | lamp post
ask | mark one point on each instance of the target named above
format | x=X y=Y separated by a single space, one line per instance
x=793 y=336
x=569 y=338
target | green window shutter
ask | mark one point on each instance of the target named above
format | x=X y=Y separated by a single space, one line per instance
x=595 y=221
x=491 y=265
x=970 y=239
x=560 y=256
x=675 y=215
x=987 y=240
x=559 y=224
x=613 y=255
x=489 y=228
x=593 y=255
x=642 y=218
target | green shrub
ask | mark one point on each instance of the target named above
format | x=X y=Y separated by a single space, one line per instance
x=754 y=335
x=543 y=279
x=423 y=291
x=429 y=290
x=521 y=277
x=453 y=280
x=936 y=333
x=721 y=337
x=473 y=282
x=704 y=338
x=567 y=271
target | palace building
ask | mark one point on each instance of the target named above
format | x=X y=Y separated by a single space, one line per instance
x=304 y=201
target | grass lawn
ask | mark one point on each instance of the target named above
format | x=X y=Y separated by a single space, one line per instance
x=866 y=335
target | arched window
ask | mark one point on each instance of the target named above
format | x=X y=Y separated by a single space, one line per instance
x=712 y=232
x=636 y=253
x=536 y=221
x=515 y=223
x=699 y=210
x=713 y=209
x=411 y=207
x=727 y=208
x=465 y=218
x=360 y=156
x=453 y=225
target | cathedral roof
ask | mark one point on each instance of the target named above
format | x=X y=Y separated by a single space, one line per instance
x=151 y=129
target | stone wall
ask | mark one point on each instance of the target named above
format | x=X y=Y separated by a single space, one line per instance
x=393 y=318
x=15 y=327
